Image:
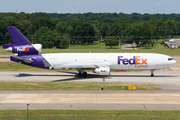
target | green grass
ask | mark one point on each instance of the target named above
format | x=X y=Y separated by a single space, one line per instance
x=27 y=86
x=91 y=112
x=19 y=67
x=174 y=52
x=96 y=48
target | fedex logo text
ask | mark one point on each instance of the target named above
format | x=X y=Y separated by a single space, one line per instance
x=136 y=60
x=20 y=49
x=104 y=71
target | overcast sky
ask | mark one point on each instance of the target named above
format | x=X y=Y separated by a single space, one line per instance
x=95 y=6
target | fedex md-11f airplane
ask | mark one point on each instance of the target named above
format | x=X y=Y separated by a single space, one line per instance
x=100 y=63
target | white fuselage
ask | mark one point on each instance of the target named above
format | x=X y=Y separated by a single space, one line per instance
x=100 y=63
x=115 y=61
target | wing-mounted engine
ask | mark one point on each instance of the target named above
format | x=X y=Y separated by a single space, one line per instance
x=102 y=70
x=24 y=49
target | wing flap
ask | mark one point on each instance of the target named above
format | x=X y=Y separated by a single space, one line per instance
x=75 y=66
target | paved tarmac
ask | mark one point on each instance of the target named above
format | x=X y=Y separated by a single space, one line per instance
x=165 y=79
x=4 y=58
x=91 y=100
x=166 y=99
x=126 y=46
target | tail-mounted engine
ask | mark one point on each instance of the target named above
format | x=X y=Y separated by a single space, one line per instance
x=24 y=49
x=21 y=44
x=102 y=70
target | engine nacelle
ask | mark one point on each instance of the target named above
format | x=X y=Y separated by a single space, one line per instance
x=25 y=49
x=102 y=70
x=38 y=47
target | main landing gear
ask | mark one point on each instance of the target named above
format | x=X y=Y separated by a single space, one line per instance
x=152 y=74
x=82 y=74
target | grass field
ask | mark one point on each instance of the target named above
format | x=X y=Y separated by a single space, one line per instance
x=27 y=86
x=96 y=48
x=4 y=66
x=91 y=112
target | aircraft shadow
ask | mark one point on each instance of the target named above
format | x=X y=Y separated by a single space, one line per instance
x=106 y=77
x=141 y=76
x=89 y=76
x=27 y=75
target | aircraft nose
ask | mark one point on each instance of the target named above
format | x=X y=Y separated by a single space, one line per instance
x=174 y=62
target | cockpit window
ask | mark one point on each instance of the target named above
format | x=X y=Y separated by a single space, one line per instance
x=169 y=59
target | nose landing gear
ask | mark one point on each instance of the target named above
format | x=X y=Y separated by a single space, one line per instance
x=152 y=74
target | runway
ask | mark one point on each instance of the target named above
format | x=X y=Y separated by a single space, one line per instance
x=91 y=100
x=167 y=80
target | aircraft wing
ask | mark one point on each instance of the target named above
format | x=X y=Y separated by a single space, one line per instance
x=28 y=60
x=76 y=66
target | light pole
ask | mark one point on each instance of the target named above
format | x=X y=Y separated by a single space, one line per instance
x=27 y=112
x=119 y=42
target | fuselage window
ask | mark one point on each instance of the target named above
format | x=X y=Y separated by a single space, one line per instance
x=169 y=59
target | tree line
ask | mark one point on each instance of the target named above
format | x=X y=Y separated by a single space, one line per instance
x=58 y=30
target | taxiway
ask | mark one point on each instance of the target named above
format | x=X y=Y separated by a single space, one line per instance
x=166 y=99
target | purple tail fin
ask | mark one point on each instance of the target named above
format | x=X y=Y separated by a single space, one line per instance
x=21 y=45
x=17 y=37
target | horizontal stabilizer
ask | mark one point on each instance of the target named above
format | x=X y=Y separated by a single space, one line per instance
x=8 y=45
x=27 y=60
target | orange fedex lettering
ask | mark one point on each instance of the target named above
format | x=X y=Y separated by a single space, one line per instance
x=137 y=60
x=26 y=49
x=144 y=61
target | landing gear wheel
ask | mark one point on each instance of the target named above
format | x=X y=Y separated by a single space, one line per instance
x=84 y=75
x=152 y=74
x=79 y=75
